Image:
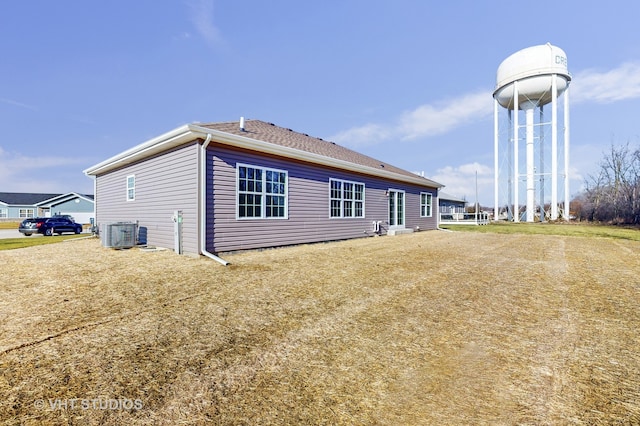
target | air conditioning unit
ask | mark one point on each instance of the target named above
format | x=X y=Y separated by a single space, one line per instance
x=119 y=235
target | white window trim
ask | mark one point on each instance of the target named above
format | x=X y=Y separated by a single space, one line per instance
x=429 y=195
x=131 y=188
x=342 y=216
x=263 y=206
x=4 y=213
x=27 y=213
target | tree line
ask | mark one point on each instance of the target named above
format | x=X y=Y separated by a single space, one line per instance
x=611 y=195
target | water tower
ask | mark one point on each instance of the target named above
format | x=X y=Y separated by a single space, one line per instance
x=527 y=81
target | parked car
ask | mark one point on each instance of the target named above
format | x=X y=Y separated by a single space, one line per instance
x=68 y=216
x=49 y=226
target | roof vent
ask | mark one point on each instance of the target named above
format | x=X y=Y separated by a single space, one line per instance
x=242 y=124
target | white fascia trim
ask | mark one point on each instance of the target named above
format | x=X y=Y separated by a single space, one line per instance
x=62 y=198
x=190 y=132
x=153 y=146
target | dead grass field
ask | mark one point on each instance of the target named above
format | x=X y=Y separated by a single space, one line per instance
x=429 y=328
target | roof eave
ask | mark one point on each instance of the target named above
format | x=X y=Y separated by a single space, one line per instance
x=166 y=141
x=62 y=198
x=191 y=132
x=297 y=154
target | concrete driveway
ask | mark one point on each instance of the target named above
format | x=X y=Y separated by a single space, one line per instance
x=13 y=233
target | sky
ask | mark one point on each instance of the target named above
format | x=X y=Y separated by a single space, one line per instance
x=409 y=82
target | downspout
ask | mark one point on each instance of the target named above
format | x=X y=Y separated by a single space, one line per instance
x=438 y=215
x=203 y=203
x=94 y=227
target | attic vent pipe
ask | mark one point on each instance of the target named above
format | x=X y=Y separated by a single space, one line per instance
x=242 y=124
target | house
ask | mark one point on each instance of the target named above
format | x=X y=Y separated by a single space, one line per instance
x=21 y=205
x=448 y=204
x=452 y=211
x=220 y=187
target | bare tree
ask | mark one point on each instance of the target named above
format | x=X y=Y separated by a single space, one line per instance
x=612 y=194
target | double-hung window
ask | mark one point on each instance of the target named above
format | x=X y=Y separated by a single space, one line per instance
x=4 y=213
x=346 y=198
x=25 y=213
x=131 y=187
x=426 y=200
x=262 y=192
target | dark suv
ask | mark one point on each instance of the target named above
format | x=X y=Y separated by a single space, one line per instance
x=49 y=226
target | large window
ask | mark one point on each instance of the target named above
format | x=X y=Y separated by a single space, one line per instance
x=262 y=192
x=131 y=188
x=426 y=204
x=25 y=213
x=346 y=198
x=4 y=213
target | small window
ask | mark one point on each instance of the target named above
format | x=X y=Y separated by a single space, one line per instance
x=131 y=188
x=346 y=198
x=4 y=213
x=426 y=199
x=262 y=193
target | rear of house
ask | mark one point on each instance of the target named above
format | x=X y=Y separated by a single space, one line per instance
x=222 y=187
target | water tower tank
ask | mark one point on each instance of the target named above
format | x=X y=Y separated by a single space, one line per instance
x=533 y=68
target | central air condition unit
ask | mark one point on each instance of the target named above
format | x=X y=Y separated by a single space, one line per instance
x=119 y=235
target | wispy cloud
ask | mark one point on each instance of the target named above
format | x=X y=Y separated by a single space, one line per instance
x=18 y=104
x=614 y=85
x=424 y=121
x=432 y=119
x=19 y=172
x=460 y=181
x=369 y=134
x=201 y=14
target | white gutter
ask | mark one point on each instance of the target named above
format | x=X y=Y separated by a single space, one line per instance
x=202 y=222
x=153 y=146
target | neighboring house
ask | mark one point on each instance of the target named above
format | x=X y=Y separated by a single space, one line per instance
x=452 y=211
x=80 y=206
x=254 y=185
x=22 y=205
x=450 y=204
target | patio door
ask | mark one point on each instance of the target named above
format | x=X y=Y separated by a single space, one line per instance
x=396 y=209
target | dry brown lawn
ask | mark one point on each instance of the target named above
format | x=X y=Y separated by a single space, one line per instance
x=429 y=328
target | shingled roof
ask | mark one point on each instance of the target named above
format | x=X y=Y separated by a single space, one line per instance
x=268 y=138
x=24 y=198
x=269 y=132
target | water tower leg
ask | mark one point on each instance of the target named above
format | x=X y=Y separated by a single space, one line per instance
x=566 y=155
x=496 y=174
x=541 y=167
x=531 y=186
x=510 y=170
x=516 y=171
x=554 y=149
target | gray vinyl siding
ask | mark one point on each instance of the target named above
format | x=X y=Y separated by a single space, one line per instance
x=163 y=183
x=71 y=206
x=308 y=201
x=14 y=211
